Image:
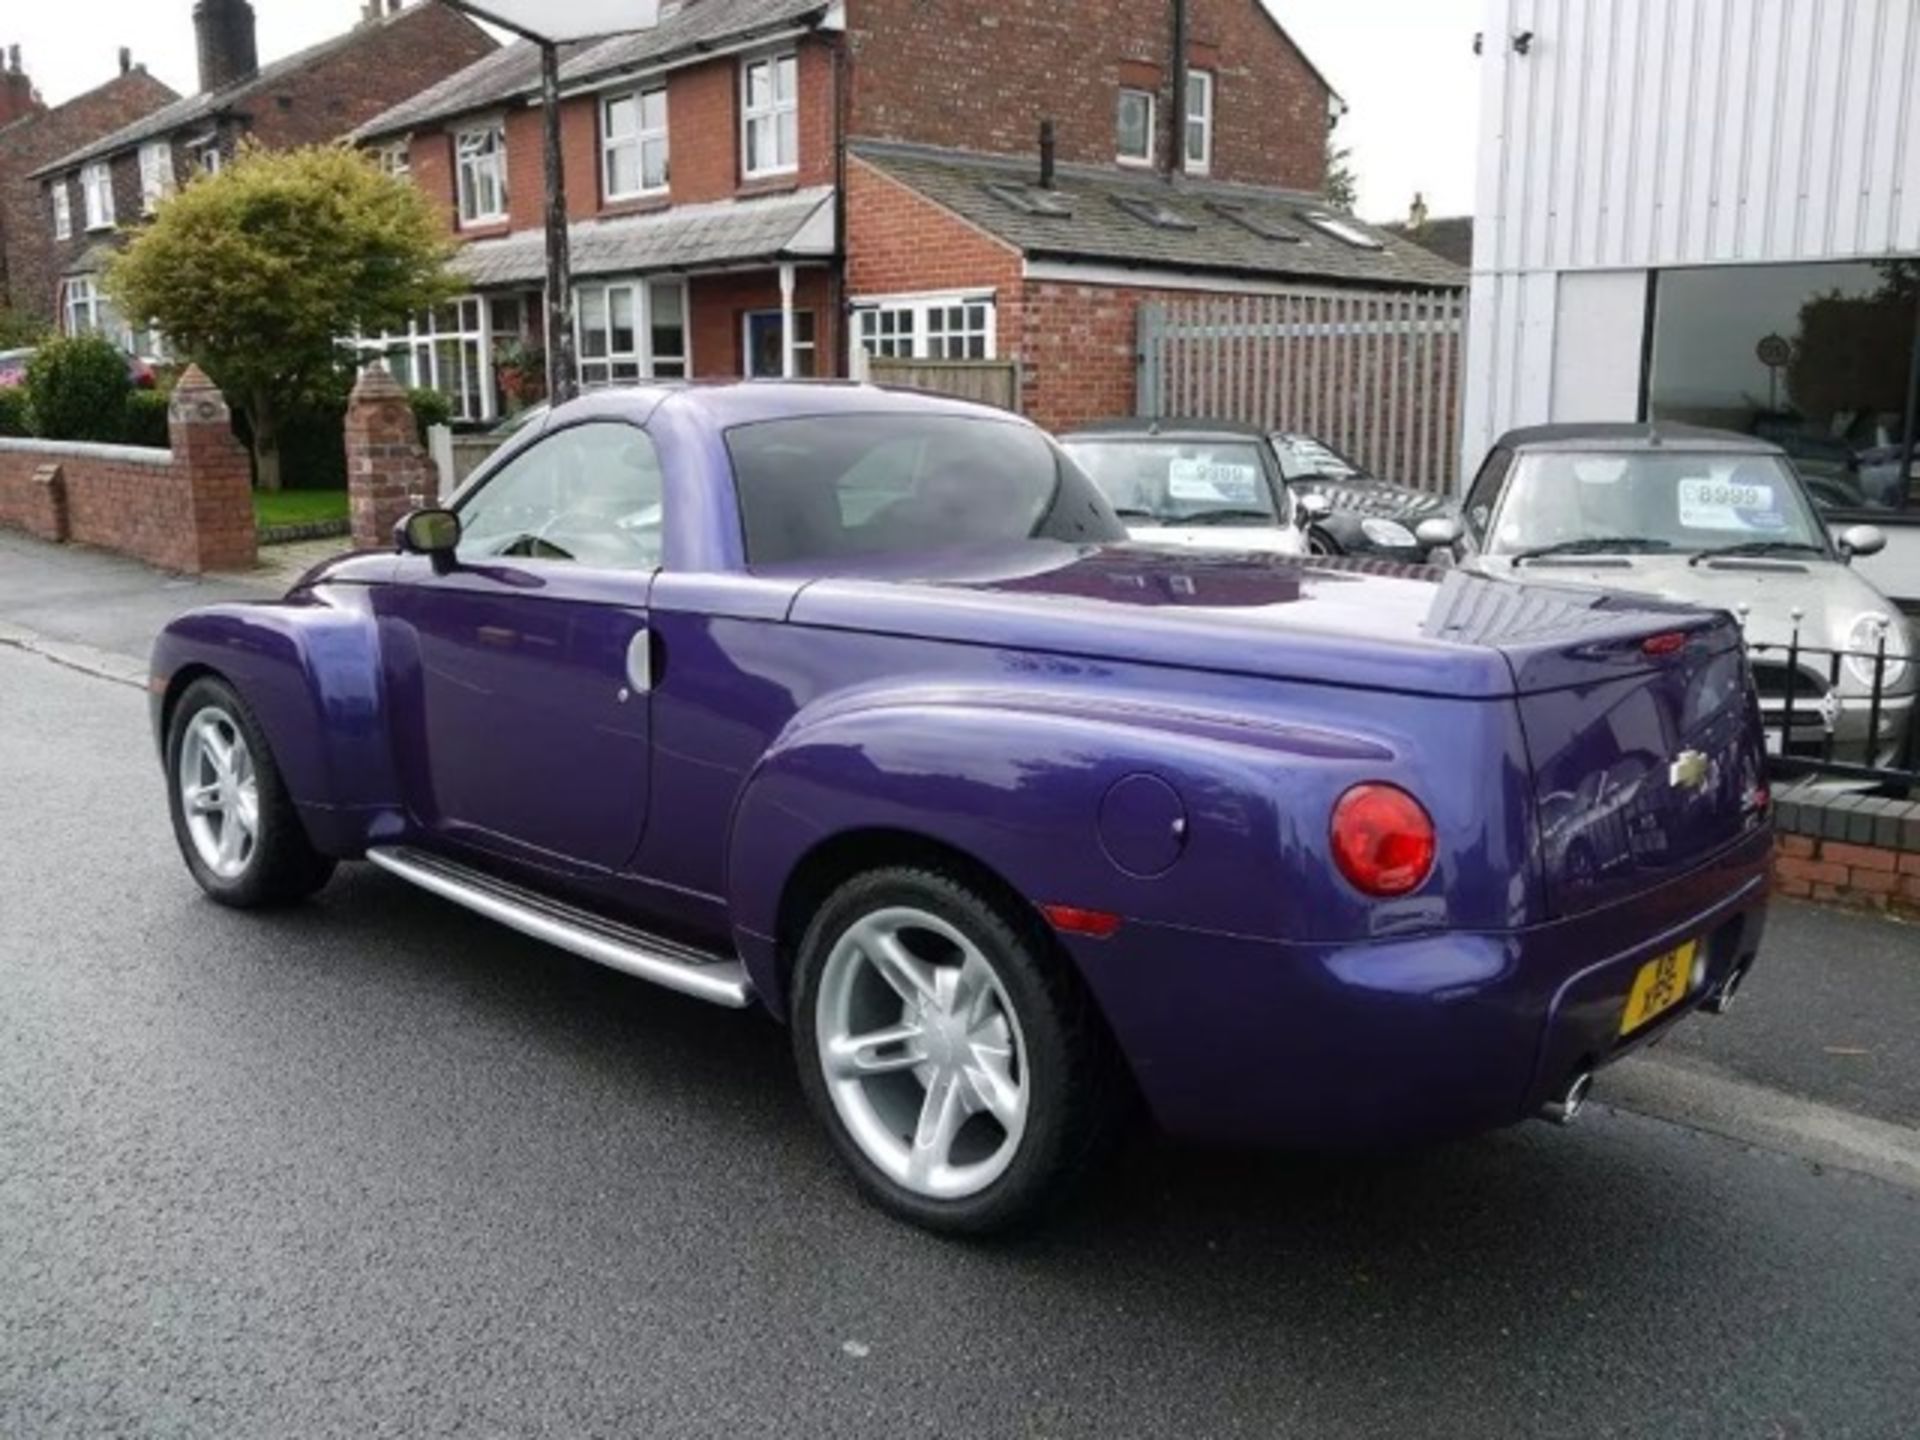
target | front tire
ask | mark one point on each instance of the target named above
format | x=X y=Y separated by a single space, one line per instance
x=959 y=1067
x=236 y=826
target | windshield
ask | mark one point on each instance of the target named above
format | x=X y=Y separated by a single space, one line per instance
x=1647 y=503
x=1180 y=482
x=1304 y=458
x=874 y=484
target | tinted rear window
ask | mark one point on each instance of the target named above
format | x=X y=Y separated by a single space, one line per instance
x=875 y=484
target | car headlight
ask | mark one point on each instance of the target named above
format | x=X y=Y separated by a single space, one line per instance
x=1389 y=534
x=1863 y=649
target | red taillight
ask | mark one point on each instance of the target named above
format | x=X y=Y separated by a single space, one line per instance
x=1383 y=840
x=1660 y=646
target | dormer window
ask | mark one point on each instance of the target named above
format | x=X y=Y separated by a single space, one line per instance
x=1135 y=127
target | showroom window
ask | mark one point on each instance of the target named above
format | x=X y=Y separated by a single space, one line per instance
x=1816 y=358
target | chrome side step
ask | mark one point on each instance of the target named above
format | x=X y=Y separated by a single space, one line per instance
x=661 y=962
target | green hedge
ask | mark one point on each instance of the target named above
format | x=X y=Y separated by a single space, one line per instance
x=146 y=419
x=77 y=389
x=13 y=410
x=430 y=408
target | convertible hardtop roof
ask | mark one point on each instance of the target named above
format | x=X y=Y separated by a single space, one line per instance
x=1140 y=428
x=1615 y=437
x=724 y=404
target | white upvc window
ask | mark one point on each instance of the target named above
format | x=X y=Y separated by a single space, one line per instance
x=394 y=159
x=62 y=210
x=764 y=340
x=927 y=327
x=88 y=311
x=96 y=185
x=480 y=159
x=1134 y=127
x=1199 y=122
x=156 y=174
x=770 y=115
x=633 y=144
x=632 y=330
x=211 y=159
x=447 y=349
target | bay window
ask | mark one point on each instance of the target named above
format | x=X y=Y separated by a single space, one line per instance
x=480 y=164
x=770 y=115
x=88 y=312
x=634 y=144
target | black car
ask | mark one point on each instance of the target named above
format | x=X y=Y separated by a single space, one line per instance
x=1369 y=516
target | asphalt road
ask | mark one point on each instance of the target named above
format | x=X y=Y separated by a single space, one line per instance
x=377 y=1168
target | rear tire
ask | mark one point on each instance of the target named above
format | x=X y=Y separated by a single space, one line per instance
x=236 y=826
x=959 y=1067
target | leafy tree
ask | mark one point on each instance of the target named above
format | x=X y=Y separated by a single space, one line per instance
x=18 y=331
x=1343 y=186
x=261 y=273
x=77 y=390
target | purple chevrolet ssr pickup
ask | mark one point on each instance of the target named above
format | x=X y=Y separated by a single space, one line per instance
x=860 y=707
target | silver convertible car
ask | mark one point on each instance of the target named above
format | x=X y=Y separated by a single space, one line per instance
x=1714 y=519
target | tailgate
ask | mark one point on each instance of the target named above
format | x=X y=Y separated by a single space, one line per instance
x=1646 y=765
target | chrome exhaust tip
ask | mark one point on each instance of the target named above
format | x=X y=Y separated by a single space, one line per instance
x=1721 y=1001
x=1566 y=1108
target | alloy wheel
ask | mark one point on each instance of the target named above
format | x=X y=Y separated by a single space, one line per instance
x=219 y=793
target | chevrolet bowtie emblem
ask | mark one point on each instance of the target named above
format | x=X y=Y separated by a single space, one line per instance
x=1690 y=771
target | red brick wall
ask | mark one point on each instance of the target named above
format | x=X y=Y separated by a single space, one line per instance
x=1862 y=875
x=189 y=509
x=958 y=74
x=720 y=304
x=703 y=131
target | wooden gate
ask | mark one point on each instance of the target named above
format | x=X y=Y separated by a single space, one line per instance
x=1376 y=374
x=991 y=382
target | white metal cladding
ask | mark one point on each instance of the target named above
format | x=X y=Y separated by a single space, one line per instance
x=1645 y=134
x=1373 y=373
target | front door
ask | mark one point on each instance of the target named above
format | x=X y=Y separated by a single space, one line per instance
x=519 y=681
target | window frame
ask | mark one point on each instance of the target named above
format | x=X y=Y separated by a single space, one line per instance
x=395 y=159
x=923 y=339
x=638 y=141
x=601 y=371
x=1201 y=115
x=467 y=172
x=807 y=346
x=157 y=179
x=774 y=112
x=1145 y=160
x=463 y=502
x=62 y=209
x=83 y=294
x=96 y=185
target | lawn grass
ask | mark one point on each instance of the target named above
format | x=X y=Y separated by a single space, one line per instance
x=274 y=508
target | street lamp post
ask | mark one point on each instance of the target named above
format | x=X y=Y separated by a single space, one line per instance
x=550 y=24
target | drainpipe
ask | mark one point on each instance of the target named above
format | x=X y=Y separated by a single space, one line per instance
x=1182 y=41
x=837 y=274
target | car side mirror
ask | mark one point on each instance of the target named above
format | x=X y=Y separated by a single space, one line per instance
x=433 y=533
x=1860 y=541
x=1313 y=507
x=1441 y=532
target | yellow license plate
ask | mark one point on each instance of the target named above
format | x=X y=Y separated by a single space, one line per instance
x=1661 y=984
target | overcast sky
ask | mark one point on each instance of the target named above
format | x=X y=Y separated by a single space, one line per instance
x=1406 y=67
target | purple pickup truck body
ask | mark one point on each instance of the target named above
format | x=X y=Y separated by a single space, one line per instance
x=1154 y=736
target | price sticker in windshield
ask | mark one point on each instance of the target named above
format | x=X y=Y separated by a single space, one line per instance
x=1730 y=505
x=1214 y=481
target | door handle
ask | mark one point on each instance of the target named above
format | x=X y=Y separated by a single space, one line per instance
x=640 y=662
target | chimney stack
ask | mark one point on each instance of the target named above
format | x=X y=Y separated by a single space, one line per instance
x=126 y=60
x=1049 y=151
x=17 y=95
x=229 y=49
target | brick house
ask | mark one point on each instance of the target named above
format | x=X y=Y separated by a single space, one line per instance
x=31 y=134
x=91 y=193
x=767 y=187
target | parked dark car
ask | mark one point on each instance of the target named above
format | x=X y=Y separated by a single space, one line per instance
x=859 y=707
x=1367 y=515
x=13 y=369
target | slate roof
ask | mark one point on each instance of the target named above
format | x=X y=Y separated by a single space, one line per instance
x=1450 y=237
x=686 y=237
x=194 y=109
x=1214 y=227
x=514 y=72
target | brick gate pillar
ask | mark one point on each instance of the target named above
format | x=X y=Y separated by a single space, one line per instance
x=217 y=473
x=388 y=473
